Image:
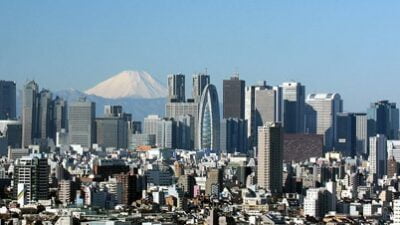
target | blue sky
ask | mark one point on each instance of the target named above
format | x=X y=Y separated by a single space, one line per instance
x=350 y=47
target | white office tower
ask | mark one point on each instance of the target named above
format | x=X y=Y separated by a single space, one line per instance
x=321 y=110
x=166 y=134
x=81 y=118
x=393 y=149
x=396 y=212
x=270 y=157
x=150 y=124
x=361 y=134
x=293 y=100
x=378 y=155
x=30 y=119
x=262 y=104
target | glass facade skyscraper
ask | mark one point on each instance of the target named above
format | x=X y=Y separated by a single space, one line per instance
x=209 y=120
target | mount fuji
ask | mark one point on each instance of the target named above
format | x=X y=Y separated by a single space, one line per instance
x=129 y=84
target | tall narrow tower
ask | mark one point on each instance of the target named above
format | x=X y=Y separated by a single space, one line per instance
x=270 y=157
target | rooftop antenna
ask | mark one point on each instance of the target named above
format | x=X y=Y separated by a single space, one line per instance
x=236 y=73
x=206 y=71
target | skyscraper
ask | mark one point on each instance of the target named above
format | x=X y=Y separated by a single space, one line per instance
x=178 y=110
x=166 y=134
x=200 y=81
x=233 y=98
x=7 y=100
x=266 y=107
x=30 y=118
x=150 y=124
x=378 y=155
x=321 y=116
x=345 y=138
x=176 y=88
x=113 y=110
x=111 y=132
x=59 y=114
x=293 y=98
x=46 y=114
x=262 y=103
x=361 y=134
x=209 y=120
x=383 y=118
x=81 y=117
x=112 y=128
x=270 y=157
x=233 y=135
x=184 y=132
x=31 y=179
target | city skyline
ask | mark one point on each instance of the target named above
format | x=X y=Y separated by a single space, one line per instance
x=329 y=47
x=199 y=112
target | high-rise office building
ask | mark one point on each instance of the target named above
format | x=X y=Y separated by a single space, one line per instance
x=266 y=107
x=111 y=132
x=361 y=141
x=345 y=138
x=184 y=132
x=150 y=124
x=112 y=128
x=59 y=114
x=30 y=118
x=166 y=134
x=178 y=110
x=270 y=157
x=113 y=110
x=209 y=120
x=260 y=107
x=293 y=98
x=383 y=118
x=200 y=81
x=321 y=116
x=378 y=155
x=233 y=135
x=233 y=98
x=31 y=179
x=81 y=117
x=136 y=127
x=46 y=114
x=12 y=129
x=7 y=100
x=176 y=88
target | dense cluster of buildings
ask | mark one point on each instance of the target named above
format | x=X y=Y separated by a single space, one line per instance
x=266 y=155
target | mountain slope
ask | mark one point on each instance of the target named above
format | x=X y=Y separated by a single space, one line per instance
x=129 y=84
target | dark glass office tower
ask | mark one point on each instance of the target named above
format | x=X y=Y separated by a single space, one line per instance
x=233 y=98
x=7 y=100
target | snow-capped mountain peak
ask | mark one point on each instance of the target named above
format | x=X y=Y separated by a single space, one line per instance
x=129 y=84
